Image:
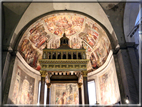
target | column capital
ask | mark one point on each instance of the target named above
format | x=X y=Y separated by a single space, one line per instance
x=79 y=85
x=48 y=85
x=43 y=73
x=84 y=73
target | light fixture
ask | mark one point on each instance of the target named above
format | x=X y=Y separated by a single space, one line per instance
x=127 y=99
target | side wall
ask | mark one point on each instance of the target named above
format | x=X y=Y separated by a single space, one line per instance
x=24 y=84
x=107 y=89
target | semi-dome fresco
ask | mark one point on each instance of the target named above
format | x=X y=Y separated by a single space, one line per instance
x=78 y=28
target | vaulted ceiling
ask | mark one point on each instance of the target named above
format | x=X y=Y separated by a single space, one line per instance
x=114 y=16
x=78 y=28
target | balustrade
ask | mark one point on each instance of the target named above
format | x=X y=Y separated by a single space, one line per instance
x=64 y=55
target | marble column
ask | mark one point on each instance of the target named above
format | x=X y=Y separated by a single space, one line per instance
x=80 y=93
x=85 y=86
x=43 y=75
x=48 y=92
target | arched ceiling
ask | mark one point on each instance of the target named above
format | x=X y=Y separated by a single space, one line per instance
x=78 y=29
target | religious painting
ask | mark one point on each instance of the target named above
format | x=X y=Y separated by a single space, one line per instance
x=106 y=44
x=108 y=87
x=54 y=43
x=75 y=43
x=29 y=53
x=23 y=91
x=38 y=36
x=47 y=31
x=93 y=61
x=16 y=87
x=66 y=94
x=94 y=27
x=93 y=34
x=60 y=23
x=98 y=57
x=88 y=49
x=88 y=39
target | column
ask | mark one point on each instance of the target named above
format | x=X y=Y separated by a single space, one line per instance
x=80 y=93
x=76 y=55
x=56 y=55
x=82 y=55
x=66 y=55
x=61 y=55
x=7 y=76
x=43 y=75
x=47 y=55
x=127 y=74
x=71 y=55
x=48 y=92
x=51 y=55
x=85 y=86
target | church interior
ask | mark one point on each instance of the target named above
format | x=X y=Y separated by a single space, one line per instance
x=71 y=53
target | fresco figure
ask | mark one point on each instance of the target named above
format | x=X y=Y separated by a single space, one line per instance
x=66 y=94
x=63 y=99
x=24 y=93
x=16 y=91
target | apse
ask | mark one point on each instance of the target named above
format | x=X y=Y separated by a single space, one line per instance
x=80 y=30
x=97 y=66
x=45 y=33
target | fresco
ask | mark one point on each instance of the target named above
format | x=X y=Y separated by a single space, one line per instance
x=29 y=53
x=54 y=43
x=38 y=36
x=108 y=87
x=56 y=24
x=23 y=88
x=78 y=28
x=66 y=94
x=99 y=56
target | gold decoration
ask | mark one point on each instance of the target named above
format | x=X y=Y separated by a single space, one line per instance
x=84 y=73
x=48 y=85
x=66 y=64
x=79 y=85
x=43 y=73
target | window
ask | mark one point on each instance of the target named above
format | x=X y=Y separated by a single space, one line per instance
x=45 y=93
x=92 y=92
x=138 y=22
x=138 y=17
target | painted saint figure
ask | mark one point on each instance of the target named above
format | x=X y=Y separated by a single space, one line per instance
x=63 y=99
